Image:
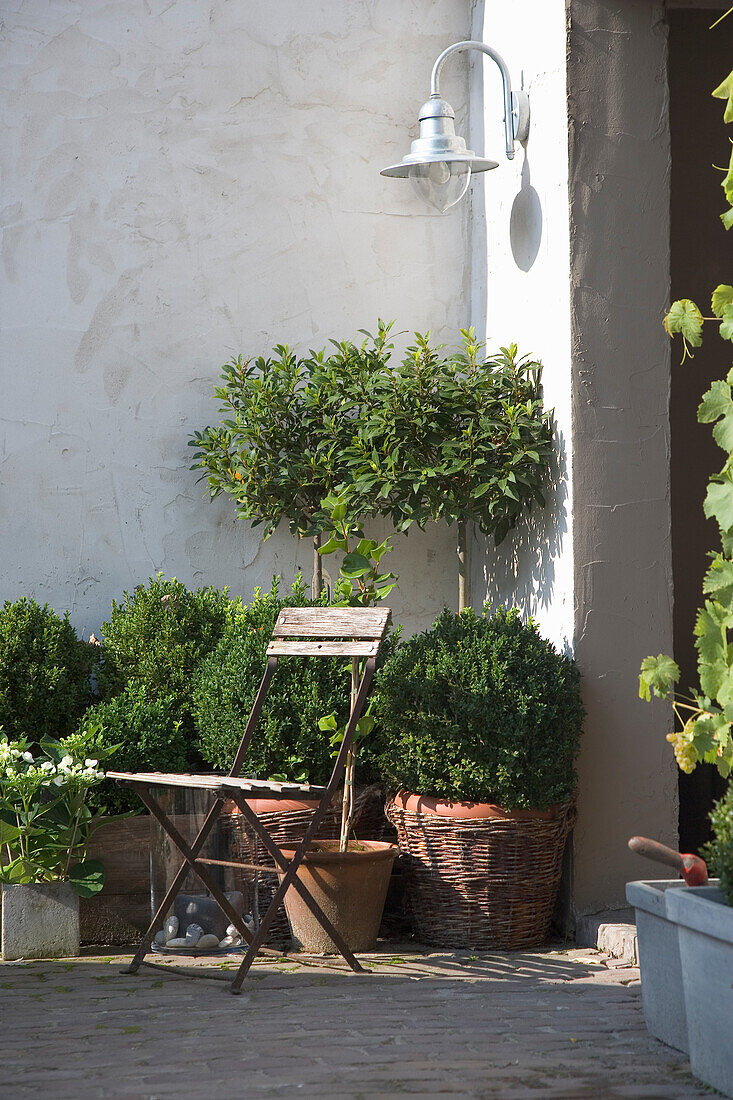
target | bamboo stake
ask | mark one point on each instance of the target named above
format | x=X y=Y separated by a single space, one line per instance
x=347 y=803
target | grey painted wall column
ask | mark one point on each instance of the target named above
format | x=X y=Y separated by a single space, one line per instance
x=619 y=201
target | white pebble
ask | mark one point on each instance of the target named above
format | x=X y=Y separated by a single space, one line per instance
x=160 y=937
x=207 y=942
x=231 y=941
x=181 y=941
x=194 y=932
x=170 y=928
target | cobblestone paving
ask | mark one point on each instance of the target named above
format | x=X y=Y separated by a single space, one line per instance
x=543 y=1024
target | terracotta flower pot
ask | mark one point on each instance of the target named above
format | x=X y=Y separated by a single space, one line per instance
x=476 y=811
x=350 y=888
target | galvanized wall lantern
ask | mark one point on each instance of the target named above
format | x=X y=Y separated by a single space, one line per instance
x=439 y=163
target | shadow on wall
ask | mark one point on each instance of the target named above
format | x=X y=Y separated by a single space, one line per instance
x=525 y=224
x=520 y=572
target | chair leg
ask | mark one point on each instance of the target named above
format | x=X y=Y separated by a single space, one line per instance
x=177 y=881
x=193 y=864
x=289 y=879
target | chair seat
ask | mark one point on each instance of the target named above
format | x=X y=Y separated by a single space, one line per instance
x=262 y=788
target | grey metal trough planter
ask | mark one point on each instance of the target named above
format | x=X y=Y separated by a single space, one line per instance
x=705 y=924
x=657 y=938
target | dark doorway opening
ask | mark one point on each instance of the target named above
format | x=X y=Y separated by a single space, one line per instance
x=701 y=257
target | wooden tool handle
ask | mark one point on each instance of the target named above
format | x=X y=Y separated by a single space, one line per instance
x=652 y=849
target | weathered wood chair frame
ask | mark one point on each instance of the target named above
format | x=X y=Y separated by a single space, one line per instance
x=299 y=632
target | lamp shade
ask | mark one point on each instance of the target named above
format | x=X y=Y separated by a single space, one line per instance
x=438 y=144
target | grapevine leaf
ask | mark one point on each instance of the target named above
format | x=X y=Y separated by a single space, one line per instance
x=725 y=689
x=704 y=731
x=723 y=433
x=722 y=297
x=719 y=575
x=719 y=504
x=712 y=675
x=726 y=327
x=716 y=402
x=725 y=91
x=657 y=675
x=684 y=317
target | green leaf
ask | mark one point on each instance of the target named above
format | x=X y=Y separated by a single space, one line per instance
x=704 y=732
x=355 y=565
x=332 y=545
x=725 y=91
x=726 y=326
x=718 y=503
x=684 y=317
x=328 y=722
x=719 y=575
x=716 y=402
x=8 y=832
x=87 y=878
x=722 y=297
x=657 y=675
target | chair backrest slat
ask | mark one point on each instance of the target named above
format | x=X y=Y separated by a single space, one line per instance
x=313 y=647
x=332 y=622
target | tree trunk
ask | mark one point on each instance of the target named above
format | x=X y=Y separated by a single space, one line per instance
x=317 y=568
x=462 y=566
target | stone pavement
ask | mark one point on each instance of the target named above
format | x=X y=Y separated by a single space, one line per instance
x=539 y=1024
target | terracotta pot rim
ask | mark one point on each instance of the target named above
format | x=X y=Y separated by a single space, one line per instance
x=477 y=811
x=325 y=852
x=272 y=805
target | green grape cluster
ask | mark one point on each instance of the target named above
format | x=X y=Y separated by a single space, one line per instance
x=684 y=752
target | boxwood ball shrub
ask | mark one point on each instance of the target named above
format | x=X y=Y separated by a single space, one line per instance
x=480 y=708
x=148 y=735
x=158 y=634
x=287 y=740
x=44 y=672
x=719 y=852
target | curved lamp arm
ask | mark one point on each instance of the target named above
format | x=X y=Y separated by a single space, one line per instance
x=516 y=104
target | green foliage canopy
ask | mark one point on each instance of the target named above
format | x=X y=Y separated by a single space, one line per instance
x=44 y=672
x=719 y=852
x=480 y=708
x=143 y=731
x=156 y=637
x=438 y=436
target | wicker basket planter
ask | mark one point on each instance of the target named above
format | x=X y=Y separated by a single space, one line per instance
x=287 y=828
x=481 y=882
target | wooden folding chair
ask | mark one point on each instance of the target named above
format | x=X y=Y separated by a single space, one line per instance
x=299 y=632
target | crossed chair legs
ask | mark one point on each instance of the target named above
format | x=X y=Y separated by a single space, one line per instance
x=191 y=861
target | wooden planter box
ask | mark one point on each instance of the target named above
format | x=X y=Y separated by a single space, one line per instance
x=121 y=912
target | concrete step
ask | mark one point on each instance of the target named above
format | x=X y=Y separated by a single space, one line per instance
x=613 y=932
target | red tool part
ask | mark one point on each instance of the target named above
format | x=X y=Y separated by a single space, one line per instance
x=691 y=868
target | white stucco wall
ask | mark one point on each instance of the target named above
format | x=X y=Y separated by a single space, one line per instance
x=182 y=182
x=521 y=288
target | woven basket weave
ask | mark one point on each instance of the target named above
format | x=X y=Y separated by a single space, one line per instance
x=481 y=883
x=288 y=827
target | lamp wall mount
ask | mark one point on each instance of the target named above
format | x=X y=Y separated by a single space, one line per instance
x=516 y=103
